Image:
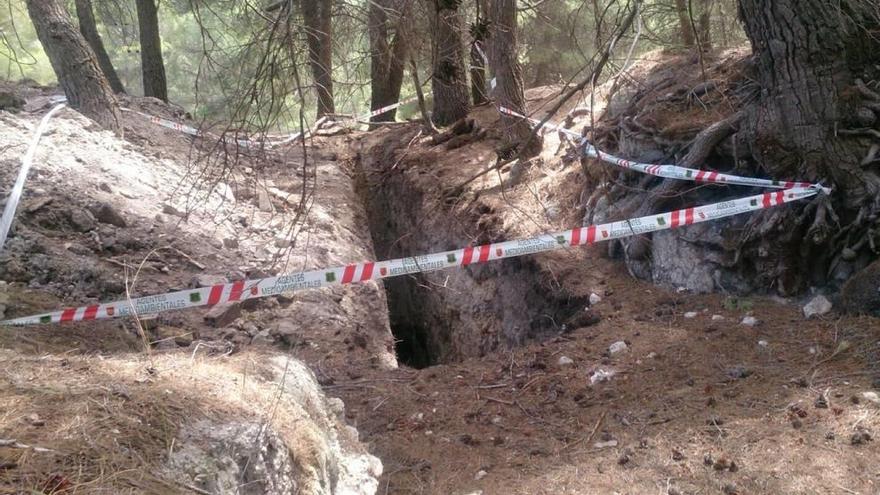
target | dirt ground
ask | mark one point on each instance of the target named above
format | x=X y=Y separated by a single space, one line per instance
x=697 y=402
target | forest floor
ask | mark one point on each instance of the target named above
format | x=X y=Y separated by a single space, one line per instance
x=697 y=402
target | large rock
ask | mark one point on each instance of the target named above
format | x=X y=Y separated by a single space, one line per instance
x=818 y=306
x=106 y=213
x=861 y=294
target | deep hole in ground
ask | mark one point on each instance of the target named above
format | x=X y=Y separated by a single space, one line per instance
x=449 y=315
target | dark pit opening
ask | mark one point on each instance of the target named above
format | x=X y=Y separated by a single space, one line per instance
x=412 y=334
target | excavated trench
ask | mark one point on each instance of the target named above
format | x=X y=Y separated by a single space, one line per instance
x=449 y=315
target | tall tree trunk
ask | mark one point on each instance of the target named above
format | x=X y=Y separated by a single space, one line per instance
x=704 y=25
x=479 y=33
x=317 y=15
x=449 y=81
x=89 y=30
x=75 y=65
x=808 y=55
x=152 y=66
x=387 y=54
x=507 y=71
x=684 y=22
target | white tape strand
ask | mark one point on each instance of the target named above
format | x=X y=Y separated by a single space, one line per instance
x=362 y=272
x=18 y=188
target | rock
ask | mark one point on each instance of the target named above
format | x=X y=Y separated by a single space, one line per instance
x=105 y=187
x=222 y=314
x=871 y=397
x=11 y=102
x=601 y=375
x=738 y=372
x=821 y=402
x=230 y=243
x=763 y=343
x=565 y=361
x=170 y=210
x=605 y=445
x=282 y=243
x=690 y=314
x=264 y=202
x=819 y=306
x=480 y=475
x=750 y=321
x=625 y=457
x=860 y=437
x=617 y=347
x=288 y=332
x=730 y=489
x=595 y=299
x=677 y=455
x=106 y=213
x=859 y=294
x=81 y=220
x=206 y=280
x=717 y=318
x=34 y=420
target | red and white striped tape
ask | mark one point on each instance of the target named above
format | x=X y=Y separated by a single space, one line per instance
x=670 y=171
x=386 y=108
x=362 y=272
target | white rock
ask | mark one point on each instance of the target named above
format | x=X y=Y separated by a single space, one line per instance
x=480 y=475
x=603 y=445
x=601 y=376
x=750 y=321
x=717 y=318
x=616 y=347
x=763 y=343
x=820 y=305
x=565 y=361
x=690 y=314
x=595 y=299
x=871 y=397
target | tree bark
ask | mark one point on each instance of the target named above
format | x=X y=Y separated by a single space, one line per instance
x=75 y=65
x=479 y=33
x=152 y=66
x=449 y=80
x=704 y=25
x=388 y=54
x=808 y=55
x=684 y=22
x=89 y=29
x=317 y=15
x=506 y=69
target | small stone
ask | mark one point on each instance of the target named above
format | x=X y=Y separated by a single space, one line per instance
x=860 y=438
x=230 y=243
x=717 y=318
x=690 y=314
x=617 y=347
x=264 y=203
x=750 y=321
x=595 y=299
x=625 y=457
x=223 y=314
x=871 y=397
x=708 y=460
x=722 y=464
x=829 y=435
x=82 y=220
x=207 y=280
x=730 y=489
x=105 y=187
x=282 y=243
x=480 y=475
x=605 y=445
x=738 y=372
x=677 y=455
x=565 y=361
x=106 y=213
x=170 y=210
x=763 y=343
x=821 y=402
x=819 y=306
x=796 y=423
x=34 y=420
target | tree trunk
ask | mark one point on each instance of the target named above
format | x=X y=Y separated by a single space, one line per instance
x=479 y=66
x=75 y=65
x=449 y=81
x=507 y=71
x=684 y=22
x=387 y=55
x=704 y=25
x=317 y=15
x=152 y=66
x=808 y=55
x=89 y=30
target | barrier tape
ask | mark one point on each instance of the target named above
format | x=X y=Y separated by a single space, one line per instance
x=670 y=171
x=18 y=188
x=386 y=108
x=361 y=272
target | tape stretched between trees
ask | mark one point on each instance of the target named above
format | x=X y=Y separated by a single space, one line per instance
x=669 y=171
x=362 y=272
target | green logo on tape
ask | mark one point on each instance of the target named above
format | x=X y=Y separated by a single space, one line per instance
x=754 y=202
x=450 y=258
x=661 y=221
x=560 y=239
x=330 y=276
x=46 y=319
x=195 y=297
